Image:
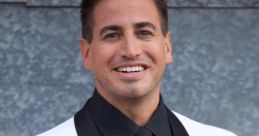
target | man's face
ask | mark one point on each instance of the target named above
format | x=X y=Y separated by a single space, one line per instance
x=128 y=52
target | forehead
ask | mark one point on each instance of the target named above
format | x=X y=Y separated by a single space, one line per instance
x=123 y=12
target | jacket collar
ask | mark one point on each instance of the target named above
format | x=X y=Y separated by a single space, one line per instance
x=89 y=121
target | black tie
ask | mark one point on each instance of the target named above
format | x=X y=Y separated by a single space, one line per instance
x=142 y=131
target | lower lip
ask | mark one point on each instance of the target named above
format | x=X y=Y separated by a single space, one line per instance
x=131 y=75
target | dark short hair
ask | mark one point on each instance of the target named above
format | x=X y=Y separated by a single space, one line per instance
x=87 y=8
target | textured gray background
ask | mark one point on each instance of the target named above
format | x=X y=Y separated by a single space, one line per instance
x=214 y=77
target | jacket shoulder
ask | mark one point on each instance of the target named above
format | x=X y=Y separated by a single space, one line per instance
x=66 y=128
x=195 y=128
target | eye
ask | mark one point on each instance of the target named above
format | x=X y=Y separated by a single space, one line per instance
x=144 y=34
x=112 y=36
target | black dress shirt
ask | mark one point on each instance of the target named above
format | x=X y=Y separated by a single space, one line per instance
x=109 y=121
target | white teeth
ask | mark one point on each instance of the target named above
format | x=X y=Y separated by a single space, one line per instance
x=131 y=69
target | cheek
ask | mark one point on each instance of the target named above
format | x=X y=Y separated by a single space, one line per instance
x=157 y=52
x=102 y=56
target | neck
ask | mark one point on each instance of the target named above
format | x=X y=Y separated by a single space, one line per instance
x=139 y=110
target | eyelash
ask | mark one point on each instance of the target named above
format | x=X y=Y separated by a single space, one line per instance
x=112 y=36
x=145 y=33
x=139 y=34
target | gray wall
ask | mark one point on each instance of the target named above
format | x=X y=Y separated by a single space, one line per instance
x=214 y=77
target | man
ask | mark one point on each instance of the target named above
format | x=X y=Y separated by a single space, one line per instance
x=126 y=44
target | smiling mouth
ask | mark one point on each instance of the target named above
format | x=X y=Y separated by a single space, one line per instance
x=130 y=69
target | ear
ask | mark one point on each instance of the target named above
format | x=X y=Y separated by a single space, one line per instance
x=168 y=48
x=85 y=53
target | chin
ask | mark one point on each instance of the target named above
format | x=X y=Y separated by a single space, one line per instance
x=134 y=93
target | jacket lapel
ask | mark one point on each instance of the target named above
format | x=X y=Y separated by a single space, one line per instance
x=84 y=123
x=177 y=127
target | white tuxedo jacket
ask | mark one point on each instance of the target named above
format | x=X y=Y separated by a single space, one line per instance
x=193 y=128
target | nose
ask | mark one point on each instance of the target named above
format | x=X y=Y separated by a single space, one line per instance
x=131 y=47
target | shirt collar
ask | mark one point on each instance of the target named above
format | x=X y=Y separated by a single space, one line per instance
x=111 y=121
x=159 y=123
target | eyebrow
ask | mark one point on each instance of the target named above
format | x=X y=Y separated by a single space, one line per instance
x=119 y=28
x=144 y=24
